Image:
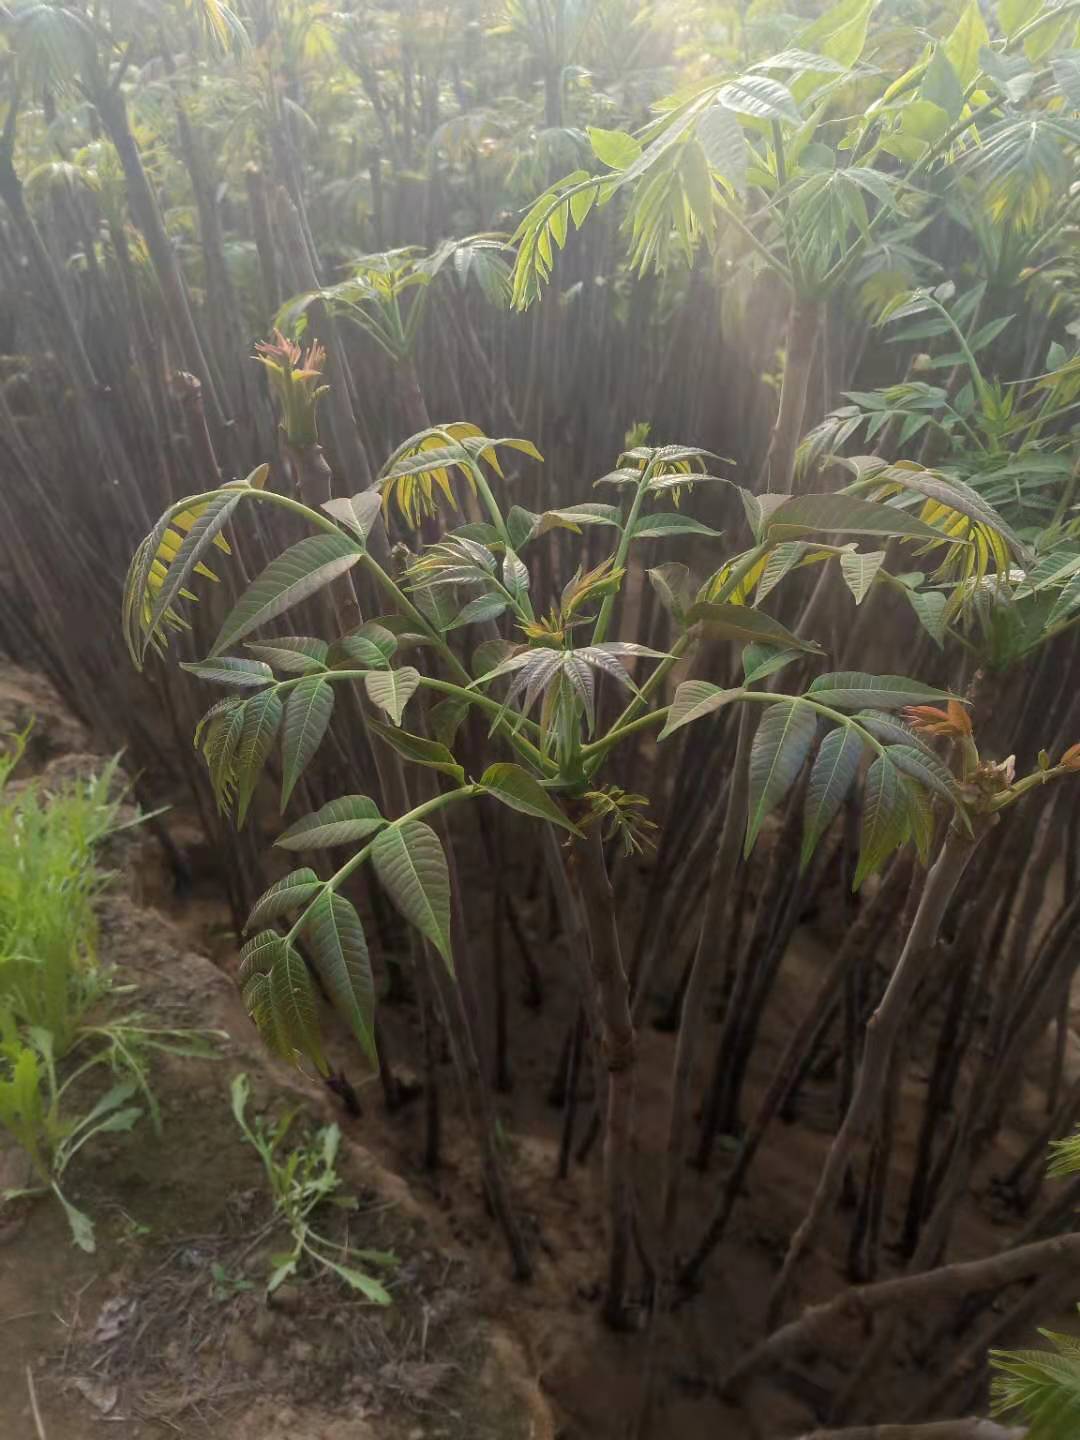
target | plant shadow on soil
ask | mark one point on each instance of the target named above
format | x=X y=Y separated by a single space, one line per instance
x=143 y=1336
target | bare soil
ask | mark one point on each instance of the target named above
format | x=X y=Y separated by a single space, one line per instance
x=464 y=1350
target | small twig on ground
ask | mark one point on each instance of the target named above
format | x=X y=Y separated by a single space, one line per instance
x=39 y=1424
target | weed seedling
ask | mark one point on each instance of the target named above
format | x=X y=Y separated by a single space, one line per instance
x=300 y=1180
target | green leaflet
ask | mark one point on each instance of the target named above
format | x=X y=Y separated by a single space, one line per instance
x=292 y=1001
x=289 y=893
x=419 y=750
x=859 y=569
x=292 y=654
x=781 y=745
x=445 y=719
x=307 y=714
x=258 y=955
x=484 y=607
x=967 y=39
x=884 y=818
x=782 y=560
x=854 y=690
x=957 y=496
x=340 y=954
x=411 y=867
x=740 y=622
x=293 y=576
x=663 y=523
x=338 y=822
x=761 y=660
x=924 y=767
x=890 y=730
x=614 y=148
x=920 y=817
x=262 y=718
x=221 y=741
x=930 y=606
x=844 y=514
x=518 y=789
x=671 y=581
x=359 y=512
x=760 y=97
x=831 y=777
x=392 y=689
x=693 y=700
x=230 y=670
x=358 y=652
x=515 y=575
x=840 y=33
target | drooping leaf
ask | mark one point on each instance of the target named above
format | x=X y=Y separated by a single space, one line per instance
x=931 y=608
x=392 y=689
x=920 y=816
x=859 y=569
x=844 y=514
x=854 y=690
x=293 y=576
x=262 y=718
x=419 y=750
x=340 y=955
x=671 y=582
x=925 y=767
x=307 y=714
x=258 y=955
x=338 y=822
x=781 y=744
x=758 y=661
x=206 y=525
x=950 y=492
x=292 y=997
x=445 y=719
x=221 y=740
x=740 y=622
x=518 y=789
x=723 y=144
x=780 y=562
x=693 y=700
x=411 y=867
x=890 y=729
x=289 y=893
x=884 y=818
x=359 y=512
x=831 y=777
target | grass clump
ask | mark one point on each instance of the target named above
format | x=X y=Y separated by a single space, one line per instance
x=70 y=1067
